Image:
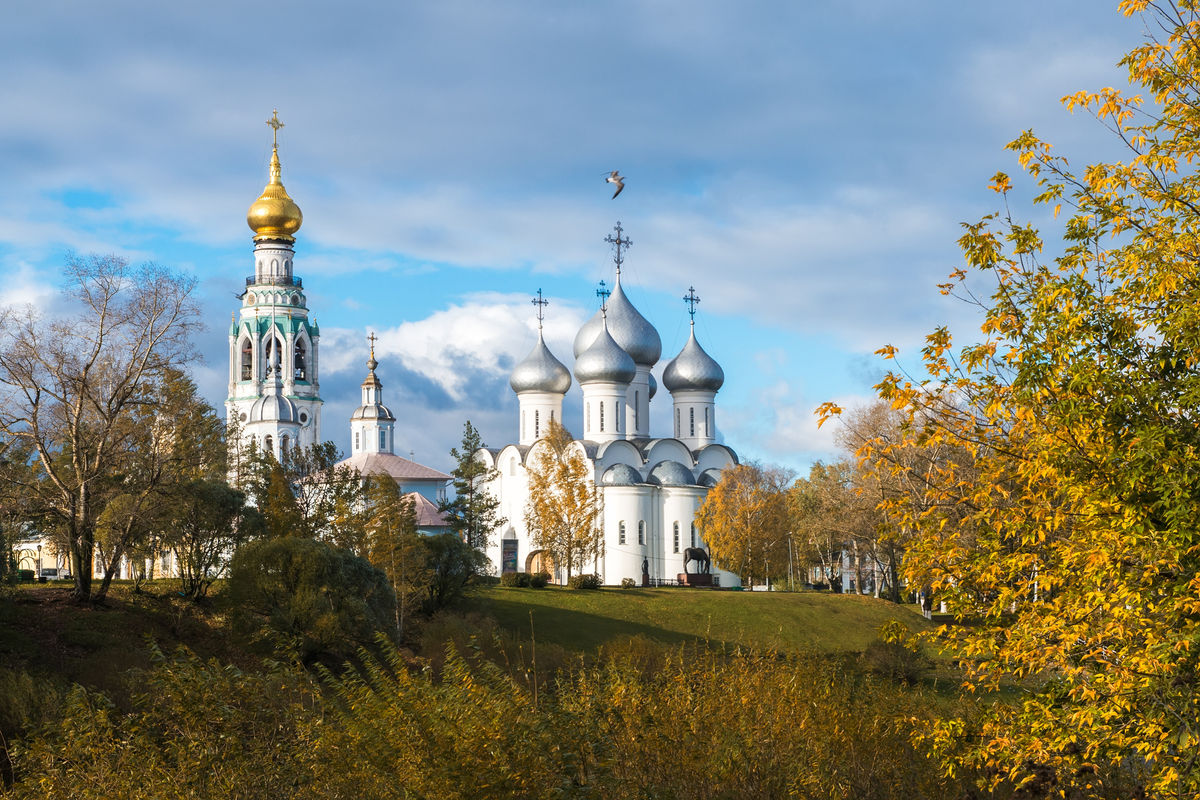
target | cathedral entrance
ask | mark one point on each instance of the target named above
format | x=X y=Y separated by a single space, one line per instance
x=540 y=561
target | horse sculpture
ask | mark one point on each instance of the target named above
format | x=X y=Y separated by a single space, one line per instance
x=700 y=555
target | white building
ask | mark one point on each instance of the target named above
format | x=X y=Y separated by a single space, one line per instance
x=373 y=440
x=651 y=488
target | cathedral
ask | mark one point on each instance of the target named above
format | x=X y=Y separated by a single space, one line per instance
x=651 y=488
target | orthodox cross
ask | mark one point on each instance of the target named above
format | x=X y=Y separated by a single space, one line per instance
x=603 y=292
x=372 y=339
x=692 y=301
x=541 y=307
x=276 y=125
x=619 y=242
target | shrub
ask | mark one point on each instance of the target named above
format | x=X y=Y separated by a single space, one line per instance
x=452 y=564
x=309 y=597
x=538 y=580
x=584 y=581
x=515 y=579
x=896 y=654
x=628 y=583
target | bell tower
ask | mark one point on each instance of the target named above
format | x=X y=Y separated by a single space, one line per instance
x=274 y=392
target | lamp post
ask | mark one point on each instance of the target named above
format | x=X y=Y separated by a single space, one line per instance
x=39 y=562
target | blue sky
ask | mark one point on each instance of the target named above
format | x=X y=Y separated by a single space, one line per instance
x=804 y=166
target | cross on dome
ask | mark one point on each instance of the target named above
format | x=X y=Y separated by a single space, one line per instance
x=692 y=300
x=619 y=242
x=275 y=125
x=541 y=307
x=603 y=292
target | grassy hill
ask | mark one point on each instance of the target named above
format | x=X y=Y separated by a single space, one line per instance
x=42 y=632
x=584 y=620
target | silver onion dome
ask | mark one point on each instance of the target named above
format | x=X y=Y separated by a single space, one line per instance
x=671 y=473
x=628 y=327
x=693 y=370
x=540 y=371
x=653 y=386
x=621 y=475
x=604 y=361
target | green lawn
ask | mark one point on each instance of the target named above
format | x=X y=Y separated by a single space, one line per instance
x=583 y=620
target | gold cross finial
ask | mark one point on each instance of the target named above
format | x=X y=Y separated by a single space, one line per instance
x=276 y=125
x=372 y=339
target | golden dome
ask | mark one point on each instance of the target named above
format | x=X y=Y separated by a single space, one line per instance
x=274 y=215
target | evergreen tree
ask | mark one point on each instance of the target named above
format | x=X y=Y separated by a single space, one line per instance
x=474 y=512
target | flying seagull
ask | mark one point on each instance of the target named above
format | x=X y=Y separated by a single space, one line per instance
x=616 y=179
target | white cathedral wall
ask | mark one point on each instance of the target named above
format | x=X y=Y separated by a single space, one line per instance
x=604 y=412
x=626 y=504
x=536 y=411
x=637 y=405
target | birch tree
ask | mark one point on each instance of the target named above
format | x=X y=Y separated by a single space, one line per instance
x=69 y=383
x=563 y=512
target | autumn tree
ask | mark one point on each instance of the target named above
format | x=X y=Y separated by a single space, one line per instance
x=304 y=492
x=563 y=512
x=1070 y=541
x=394 y=545
x=473 y=512
x=744 y=521
x=70 y=384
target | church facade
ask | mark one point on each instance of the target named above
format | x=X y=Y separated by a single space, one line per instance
x=651 y=488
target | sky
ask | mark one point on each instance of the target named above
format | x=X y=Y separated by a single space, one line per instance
x=806 y=167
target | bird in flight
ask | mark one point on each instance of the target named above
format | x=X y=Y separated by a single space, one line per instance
x=615 y=179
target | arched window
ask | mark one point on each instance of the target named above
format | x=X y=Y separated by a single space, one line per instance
x=621 y=532
x=247 y=360
x=676 y=537
x=691 y=422
x=601 y=415
x=637 y=409
x=283 y=445
x=641 y=531
x=677 y=413
x=356 y=444
x=706 y=433
x=383 y=440
x=300 y=371
x=693 y=534
x=271 y=352
x=269 y=444
x=537 y=424
x=620 y=414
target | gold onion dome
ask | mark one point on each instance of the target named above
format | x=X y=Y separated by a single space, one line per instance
x=274 y=215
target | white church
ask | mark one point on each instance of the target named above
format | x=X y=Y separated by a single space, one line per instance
x=651 y=487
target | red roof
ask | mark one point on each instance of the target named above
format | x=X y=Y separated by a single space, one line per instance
x=399 y=468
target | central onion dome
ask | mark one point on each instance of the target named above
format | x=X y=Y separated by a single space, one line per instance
x=604 y=361
x=540 y=371
x=274 y=215
x=632 y=332
x=693 y=370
